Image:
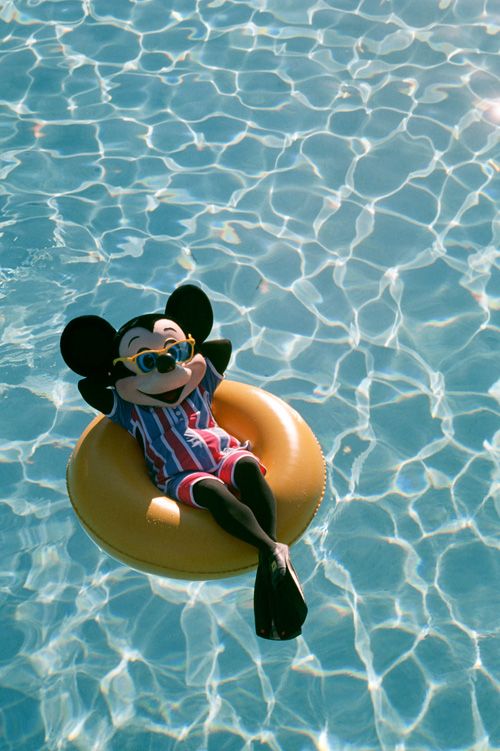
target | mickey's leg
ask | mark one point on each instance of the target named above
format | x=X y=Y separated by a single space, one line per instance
x=279 y=605
x=232 y=515
x=256 y=493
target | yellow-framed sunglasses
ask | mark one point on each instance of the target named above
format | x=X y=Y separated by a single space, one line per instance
x=146 y=361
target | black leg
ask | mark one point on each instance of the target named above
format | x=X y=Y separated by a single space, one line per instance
x=256 y=494
x=232 y=515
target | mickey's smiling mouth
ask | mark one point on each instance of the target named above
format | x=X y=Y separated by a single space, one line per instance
x=169 y=397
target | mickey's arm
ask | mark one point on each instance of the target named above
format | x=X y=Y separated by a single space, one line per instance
x=97 y=395
x=218 y=352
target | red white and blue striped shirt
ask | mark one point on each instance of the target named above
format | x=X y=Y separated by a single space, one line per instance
x=178 y=440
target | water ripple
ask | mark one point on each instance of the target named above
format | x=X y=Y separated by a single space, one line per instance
x=330 y=175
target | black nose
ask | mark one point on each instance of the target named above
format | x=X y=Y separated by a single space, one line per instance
x=165 y=363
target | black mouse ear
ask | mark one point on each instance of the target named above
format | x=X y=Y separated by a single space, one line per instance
x=87 y=346
x=191 y=309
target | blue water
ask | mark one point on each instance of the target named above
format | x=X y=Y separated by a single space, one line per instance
x=329 y=172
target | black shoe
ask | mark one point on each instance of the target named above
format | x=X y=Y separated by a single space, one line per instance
x=279 y=605
x=262 y=605
x=290 y=608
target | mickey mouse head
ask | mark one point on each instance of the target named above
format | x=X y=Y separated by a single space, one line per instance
x=153 y=360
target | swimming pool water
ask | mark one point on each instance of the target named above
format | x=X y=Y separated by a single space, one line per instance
x=328 y=171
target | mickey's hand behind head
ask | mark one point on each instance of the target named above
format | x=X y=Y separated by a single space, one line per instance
x=155 y=360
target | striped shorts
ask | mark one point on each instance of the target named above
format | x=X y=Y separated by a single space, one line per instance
x=181 y=486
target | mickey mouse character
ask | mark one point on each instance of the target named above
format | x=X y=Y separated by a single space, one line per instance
x=156 y=377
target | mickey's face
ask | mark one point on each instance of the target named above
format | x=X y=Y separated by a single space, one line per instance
x=161 y=373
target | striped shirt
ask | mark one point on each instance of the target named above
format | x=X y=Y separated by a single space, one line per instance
x=178 y=439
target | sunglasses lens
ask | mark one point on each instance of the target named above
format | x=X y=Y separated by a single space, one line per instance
x=181 y=351
x=146 y=362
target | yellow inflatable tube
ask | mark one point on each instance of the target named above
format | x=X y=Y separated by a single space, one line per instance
x=126 y=515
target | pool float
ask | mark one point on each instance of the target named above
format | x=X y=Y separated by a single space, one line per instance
x=126 y=515
x=170 y=480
